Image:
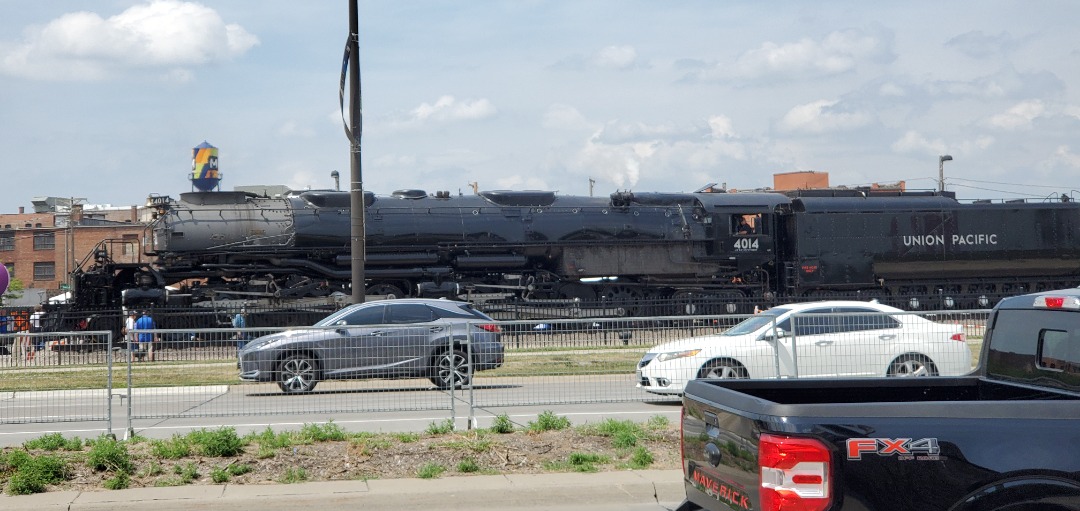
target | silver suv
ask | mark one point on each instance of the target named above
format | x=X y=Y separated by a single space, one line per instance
x=405 y=338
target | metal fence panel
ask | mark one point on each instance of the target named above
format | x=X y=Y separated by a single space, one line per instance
x=196 y=372
x=55 y=377
x=307 y=370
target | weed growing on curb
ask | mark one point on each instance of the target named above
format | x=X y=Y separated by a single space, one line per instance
x=322 y=433
x=118 y=482
x=441 y=428
x=548 y=421
x=218 y=443
x=188 y=472
x=468 y=466
x=430 y=471
x=641 y=458
x=109 y=455
x=35 y=473
x=294 y=475
x=502 y=424
x=172 y=449
x=54 y=442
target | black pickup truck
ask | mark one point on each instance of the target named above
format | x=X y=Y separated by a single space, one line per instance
x=1004 y=438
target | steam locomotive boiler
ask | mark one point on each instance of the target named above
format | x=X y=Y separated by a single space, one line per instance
x=623 y=250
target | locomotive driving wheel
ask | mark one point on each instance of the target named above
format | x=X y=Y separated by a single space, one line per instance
x=627 y=297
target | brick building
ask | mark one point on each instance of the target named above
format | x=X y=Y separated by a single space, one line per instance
x=42 y=248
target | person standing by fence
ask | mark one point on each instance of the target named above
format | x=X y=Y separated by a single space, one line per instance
x=35 y=343
x=129 y=335
x=146 y=339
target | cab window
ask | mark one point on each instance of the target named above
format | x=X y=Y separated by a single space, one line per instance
x=745 y=224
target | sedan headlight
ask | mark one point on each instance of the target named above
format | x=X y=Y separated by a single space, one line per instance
x=672 y=355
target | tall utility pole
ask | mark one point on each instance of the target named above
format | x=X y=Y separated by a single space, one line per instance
x=356 y=189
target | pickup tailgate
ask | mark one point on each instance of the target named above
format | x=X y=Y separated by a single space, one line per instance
x=741 y=451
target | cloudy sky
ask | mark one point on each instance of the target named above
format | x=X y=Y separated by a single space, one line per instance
x=104 y=99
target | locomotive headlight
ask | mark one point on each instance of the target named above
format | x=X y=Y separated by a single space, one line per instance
x=672 y=355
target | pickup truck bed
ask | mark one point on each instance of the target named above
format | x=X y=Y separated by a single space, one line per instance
x=958 y=455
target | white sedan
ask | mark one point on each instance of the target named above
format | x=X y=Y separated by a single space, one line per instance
x=812 y=340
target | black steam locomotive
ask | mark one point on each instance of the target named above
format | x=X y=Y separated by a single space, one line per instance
x=624 y=255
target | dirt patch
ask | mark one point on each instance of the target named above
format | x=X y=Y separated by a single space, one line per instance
x=385 y=456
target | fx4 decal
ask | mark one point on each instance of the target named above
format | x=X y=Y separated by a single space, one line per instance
x=923 y=449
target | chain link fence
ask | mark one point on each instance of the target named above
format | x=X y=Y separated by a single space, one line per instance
x=457 y=367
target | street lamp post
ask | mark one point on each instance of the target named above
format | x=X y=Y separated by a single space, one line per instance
x=941 y=171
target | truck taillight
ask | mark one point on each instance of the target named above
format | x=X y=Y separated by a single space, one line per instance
x=794 y=474
x=489 y=327
x=959 y=337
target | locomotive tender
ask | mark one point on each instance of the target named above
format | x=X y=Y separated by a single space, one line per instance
x=627 y=254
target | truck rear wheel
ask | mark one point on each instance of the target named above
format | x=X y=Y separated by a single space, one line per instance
x=723 y=368
x=912 y=365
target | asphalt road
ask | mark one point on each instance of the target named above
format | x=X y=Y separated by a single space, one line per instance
x=378 y=406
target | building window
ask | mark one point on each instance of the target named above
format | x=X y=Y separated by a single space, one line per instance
x=45 y=271
x=7 y=241
x=44 y=241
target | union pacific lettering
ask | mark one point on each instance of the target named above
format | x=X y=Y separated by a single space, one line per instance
x=933 y=240
x=720 y=491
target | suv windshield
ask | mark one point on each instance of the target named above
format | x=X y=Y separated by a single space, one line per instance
x=755 y=322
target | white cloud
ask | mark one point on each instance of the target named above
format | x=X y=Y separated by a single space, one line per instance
x=821 y=117
x=839 y=52
x=449 y=109
x=721 y=126
x=979 y=45
x=565 y=117
x=618 y=57
x=1064 y=155
x=293 y=129
x=165 y=34
x=624 y=153
x=1020 y=116
x=915 y=142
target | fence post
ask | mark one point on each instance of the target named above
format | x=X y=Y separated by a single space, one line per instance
x=130 y=426
x=472 y=383
x=109 y=382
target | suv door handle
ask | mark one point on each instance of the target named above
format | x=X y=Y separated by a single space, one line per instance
x=823 y=342
x=435 y=329
x=887 y=337
x=377 y=333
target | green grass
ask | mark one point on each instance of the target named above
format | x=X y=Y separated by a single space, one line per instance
x=441 y=428
x=328 y=432
x=502 y=424
x=54 y=442
x=109 y=455
x=172 y=449
x=430 y=471
x=548 y=421
x=293 y=476
x=218 y=443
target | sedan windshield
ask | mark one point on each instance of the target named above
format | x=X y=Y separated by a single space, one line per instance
x=755 y=322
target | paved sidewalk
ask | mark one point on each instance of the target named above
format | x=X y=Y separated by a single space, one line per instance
x=629 y=490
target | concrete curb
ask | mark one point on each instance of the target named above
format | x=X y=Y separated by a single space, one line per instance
x=641 y=489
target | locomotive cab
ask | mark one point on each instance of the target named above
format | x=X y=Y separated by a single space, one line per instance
x=746 y=237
